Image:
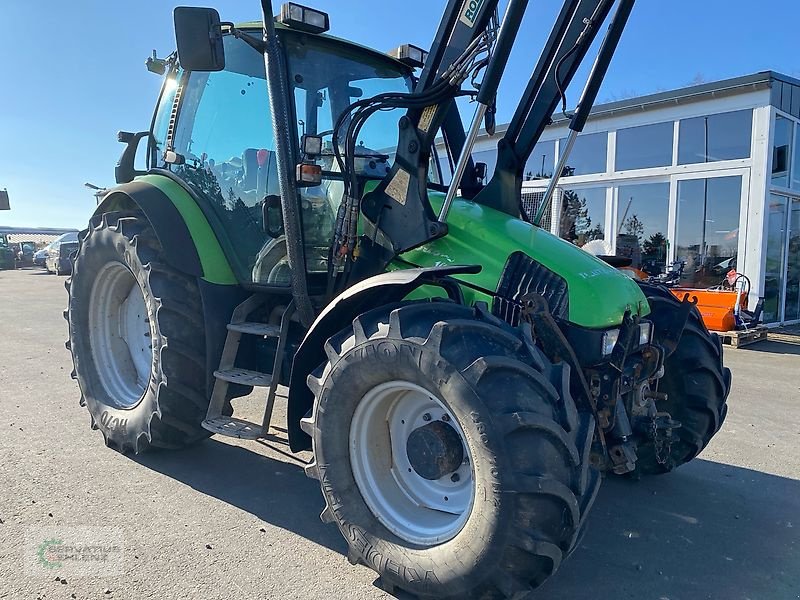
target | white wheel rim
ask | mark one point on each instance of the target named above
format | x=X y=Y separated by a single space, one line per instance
x=120 y=335
x=418 y=510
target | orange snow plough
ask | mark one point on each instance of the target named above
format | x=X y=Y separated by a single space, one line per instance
x=717 y=306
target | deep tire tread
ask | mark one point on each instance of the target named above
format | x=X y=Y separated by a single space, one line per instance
x=695 y=380
x=534 y=410
x=181 y=401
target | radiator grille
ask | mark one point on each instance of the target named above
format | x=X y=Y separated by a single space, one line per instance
x=523 y=275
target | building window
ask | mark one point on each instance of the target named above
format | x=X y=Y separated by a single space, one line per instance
x=782 y=264
x=644 y=147
x=796 y=161
x=781 y=151
x=583 y=215
x=643 y=217
x=793 y=264
x=542 y=161
x=708 y=228
x=776 y=248
x=725 y=136
x=588 y=155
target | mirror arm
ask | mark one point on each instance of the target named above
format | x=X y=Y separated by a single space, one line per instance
x=252 y=41
x=124 y=172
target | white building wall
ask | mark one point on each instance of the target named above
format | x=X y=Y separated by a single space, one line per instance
x=761 y=151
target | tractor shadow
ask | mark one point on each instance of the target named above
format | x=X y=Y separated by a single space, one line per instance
x=707 y=530
x=775 y=347
x=276 y=490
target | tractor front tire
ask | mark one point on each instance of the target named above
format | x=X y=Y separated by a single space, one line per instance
x=450 y=453
x=137 y=338
x=696 y=383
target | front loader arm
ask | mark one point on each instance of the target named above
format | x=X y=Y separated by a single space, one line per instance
x=575 y=29
x=399 y=206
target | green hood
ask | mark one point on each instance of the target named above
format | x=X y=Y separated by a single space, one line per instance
x=598 y=294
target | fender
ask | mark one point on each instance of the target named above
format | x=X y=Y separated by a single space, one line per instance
x=190 y=246
x=379 y=290
x=188 y=239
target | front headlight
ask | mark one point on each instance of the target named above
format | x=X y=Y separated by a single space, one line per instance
x=645 y=332
x=610 y=338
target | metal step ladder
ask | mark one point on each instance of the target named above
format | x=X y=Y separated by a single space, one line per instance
x=229 y=373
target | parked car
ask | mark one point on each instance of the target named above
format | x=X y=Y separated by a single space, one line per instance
x=40 y=257
x=60 y=254
x=24 y=254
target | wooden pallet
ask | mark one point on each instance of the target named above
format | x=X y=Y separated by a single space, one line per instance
x=789 y=334
x=737 y=339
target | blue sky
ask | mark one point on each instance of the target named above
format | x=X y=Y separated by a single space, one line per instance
x=73 y=73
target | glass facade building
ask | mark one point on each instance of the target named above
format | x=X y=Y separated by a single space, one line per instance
x=707 y=175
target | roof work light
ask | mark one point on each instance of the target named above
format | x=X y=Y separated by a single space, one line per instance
x=304 y=18
x=410 y=55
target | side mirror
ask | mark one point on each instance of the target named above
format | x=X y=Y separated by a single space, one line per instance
x=198 y=35
x=355 y=92
x=272 y=216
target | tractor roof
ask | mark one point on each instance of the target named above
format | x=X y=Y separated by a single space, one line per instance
x=377 y=53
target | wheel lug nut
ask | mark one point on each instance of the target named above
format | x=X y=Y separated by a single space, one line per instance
x=455 y=477
x=426 y=417
x=445 y=418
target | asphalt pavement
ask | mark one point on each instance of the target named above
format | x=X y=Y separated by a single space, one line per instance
x=239 y=520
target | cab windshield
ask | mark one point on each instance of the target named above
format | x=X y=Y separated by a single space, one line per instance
x=328 y=77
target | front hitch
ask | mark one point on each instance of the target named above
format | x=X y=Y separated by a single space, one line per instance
x=543 y=327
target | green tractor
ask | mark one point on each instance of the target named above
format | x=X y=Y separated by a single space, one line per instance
x=464 y=378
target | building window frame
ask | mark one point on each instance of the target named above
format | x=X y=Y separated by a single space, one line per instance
x=744 y=207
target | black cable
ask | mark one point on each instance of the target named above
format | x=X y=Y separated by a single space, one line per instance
x=358 y=113
x=559 y=84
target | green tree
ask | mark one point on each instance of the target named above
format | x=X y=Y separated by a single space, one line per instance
x=656 y=246
x=633 y=226
x=232 y=198
x=576 y=224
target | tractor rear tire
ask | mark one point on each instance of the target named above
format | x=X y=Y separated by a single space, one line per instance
x=696 y=383
x=137 y=338
x=526 y=452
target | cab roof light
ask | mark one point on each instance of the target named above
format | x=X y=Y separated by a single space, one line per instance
x=304 y=18
x=411 y=55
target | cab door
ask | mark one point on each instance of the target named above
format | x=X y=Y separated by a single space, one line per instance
x=224 y=140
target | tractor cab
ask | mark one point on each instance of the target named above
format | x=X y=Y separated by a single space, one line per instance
x=213 y=130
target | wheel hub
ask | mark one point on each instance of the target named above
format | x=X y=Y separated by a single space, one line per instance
x=120 y=335
x=434 y=450
x=411 y=464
